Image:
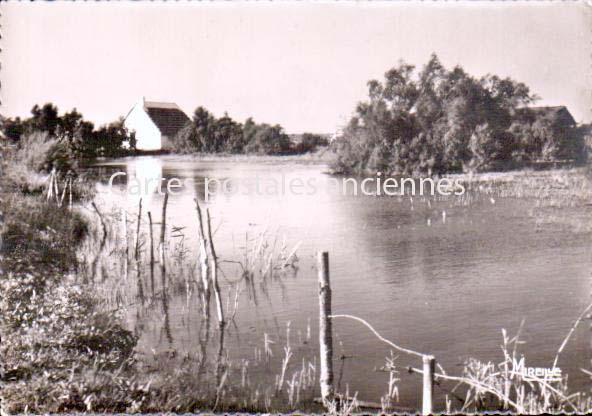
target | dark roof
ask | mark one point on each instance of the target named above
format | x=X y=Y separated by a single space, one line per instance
x=556 y=113
x=168 y=117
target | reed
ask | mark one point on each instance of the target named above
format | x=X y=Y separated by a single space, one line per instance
x=487 y=386
x=219 y=378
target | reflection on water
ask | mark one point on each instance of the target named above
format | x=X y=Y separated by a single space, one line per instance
x=146 y=174
x=441 y=275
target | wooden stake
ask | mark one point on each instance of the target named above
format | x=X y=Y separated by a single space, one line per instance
x=70 y=189
x=103 y=225
x=137 y=245
x=162 y=259
x=429 y=366
x=56 y=189
x=151 y=252
x=203 y=253
x=325 y=329
x=214 y=260
x=64 y=192
x=50 y=185
x=163 y=229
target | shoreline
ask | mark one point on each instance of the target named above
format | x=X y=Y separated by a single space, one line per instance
x=320 y=157
x=325 y=156
x=164 y=366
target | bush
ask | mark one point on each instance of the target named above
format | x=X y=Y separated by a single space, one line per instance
x=40 y=152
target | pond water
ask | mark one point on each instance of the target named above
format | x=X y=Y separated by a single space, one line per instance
x=436 y=275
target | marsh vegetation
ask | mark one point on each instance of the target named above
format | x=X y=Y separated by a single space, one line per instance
x=103 y=311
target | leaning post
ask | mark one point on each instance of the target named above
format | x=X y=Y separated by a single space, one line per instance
x=163 y=232
x=429 y=366
x=325 y=330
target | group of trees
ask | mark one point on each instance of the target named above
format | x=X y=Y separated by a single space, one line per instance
x=438 y=120
x=309 y=142
x=208 y=134
x=78 y=138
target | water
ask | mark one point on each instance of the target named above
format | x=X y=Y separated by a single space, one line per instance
x=440 y=284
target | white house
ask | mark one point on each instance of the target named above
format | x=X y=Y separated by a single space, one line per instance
x=155 y=123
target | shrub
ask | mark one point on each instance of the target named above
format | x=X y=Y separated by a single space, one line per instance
x=40 y=152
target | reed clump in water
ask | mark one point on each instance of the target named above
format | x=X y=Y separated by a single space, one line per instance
x=560 y=196
x=64 y=348
x=487 y=386
x=128 y=278
x=493 y=387
x=185 y=383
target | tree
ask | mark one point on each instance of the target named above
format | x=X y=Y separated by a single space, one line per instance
x=227 y=136
x=13 y=129
x=206 y=133
x=483 y=148
x=203 y=122
x=432 y=121
x=109 y=141
x=75 y=132
x=45 y=118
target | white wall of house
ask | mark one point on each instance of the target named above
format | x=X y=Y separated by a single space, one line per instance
x=147 y=134
x=165 y=142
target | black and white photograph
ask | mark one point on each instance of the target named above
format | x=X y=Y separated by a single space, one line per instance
x=311 y=207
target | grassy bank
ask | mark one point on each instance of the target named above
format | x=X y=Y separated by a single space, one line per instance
x=65 y=349
x=58 y=348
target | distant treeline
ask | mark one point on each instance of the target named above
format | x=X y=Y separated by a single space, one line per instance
x=69 y=137
x=206 y=133
x=438 y=120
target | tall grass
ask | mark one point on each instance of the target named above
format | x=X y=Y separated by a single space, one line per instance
x=491 y=387
x=126 y=278
x=56 y=342
x=499 y=386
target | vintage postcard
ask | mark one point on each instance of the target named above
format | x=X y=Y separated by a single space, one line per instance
x=318 y=207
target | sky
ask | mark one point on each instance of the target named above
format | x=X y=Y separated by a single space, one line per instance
x=302 y=65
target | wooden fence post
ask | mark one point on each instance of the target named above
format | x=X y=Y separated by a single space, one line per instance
x=429 y=366
x=203 y=259
x=163 y=230
x=325 y=329
x=70 y=191
x=214 y=271
x=151 y=252
x=137 y=245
